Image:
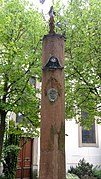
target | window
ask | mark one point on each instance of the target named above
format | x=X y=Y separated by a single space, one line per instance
x=88 y=138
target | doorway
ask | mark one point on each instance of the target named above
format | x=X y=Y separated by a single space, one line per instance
x=24 y=163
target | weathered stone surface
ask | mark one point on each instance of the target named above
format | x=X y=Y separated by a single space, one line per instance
x=52 y=140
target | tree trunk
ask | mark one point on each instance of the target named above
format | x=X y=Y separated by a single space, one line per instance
x=2 y=129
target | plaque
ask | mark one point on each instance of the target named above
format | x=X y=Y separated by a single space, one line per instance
x=52 y=94
x=53 y=63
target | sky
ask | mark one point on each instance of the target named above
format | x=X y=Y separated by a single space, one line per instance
x=46 y=5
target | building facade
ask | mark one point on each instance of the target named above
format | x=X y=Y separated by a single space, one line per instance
x=82 y=144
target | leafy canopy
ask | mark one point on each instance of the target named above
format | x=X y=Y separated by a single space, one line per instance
x=20 y=53
x=80 y=22
x=21 y=32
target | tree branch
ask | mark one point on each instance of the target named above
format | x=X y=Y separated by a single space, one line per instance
x=92 y=89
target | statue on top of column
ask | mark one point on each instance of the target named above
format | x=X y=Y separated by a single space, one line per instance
x=51 y=21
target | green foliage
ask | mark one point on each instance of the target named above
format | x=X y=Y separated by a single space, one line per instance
x=10 y=161
x=82 y=62
x=97 y=172
x=82 y=28
x=2 y=177
x=83 y=168
x=21 y=35
x=21 y=32
x=71 y=176
x=10 y=151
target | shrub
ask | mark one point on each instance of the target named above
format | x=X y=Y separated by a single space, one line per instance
x=97 y=172
x=83 y=168
x=2 y=177
x=10 y=160
x=71 y=176
x=10 y=151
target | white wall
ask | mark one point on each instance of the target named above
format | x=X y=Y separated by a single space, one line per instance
x=74 y=153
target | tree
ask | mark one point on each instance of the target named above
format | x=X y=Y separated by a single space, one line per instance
x=83 y=59
x=21 y=32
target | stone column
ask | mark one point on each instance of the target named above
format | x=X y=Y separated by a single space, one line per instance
x=35 y=158
x=52 y=140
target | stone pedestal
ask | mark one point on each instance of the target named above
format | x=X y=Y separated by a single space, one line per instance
x=52 y=140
